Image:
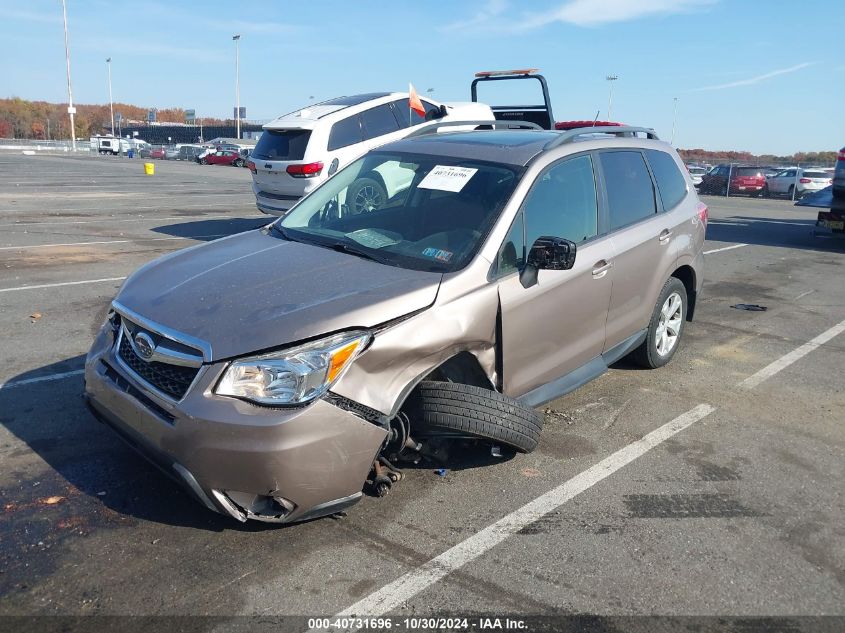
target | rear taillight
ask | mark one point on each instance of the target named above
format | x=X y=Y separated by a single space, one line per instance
x=308 y=170
x=702 y=213
x=804 y=181
x=251 y=166
x=841 y=154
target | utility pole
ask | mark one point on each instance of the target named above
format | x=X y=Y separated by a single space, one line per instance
x=48 y=128
x=237 y=39
x=111 y=103
x=70 y=109
x=674 y=117
x=610 y=79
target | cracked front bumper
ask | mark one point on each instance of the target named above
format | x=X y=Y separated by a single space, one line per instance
x=244 y=461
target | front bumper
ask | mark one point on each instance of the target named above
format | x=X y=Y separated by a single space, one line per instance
x=244 y=461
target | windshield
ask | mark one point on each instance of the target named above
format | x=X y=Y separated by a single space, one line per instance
x=413 y=211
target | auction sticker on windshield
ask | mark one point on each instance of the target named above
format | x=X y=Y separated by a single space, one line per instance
x=445 y=178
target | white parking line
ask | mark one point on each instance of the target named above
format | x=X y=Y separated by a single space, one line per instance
x=726 y=248
x=394 y=594
x=113 y=220
x=64 y=283
x=787 y=359
x=30 y=381
x=137 y=239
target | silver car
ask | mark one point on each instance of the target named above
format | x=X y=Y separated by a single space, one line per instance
x=277 y=373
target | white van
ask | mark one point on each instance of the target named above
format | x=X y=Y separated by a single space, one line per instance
x=300 y=150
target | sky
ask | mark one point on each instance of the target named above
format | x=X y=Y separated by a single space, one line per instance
x=767 y=76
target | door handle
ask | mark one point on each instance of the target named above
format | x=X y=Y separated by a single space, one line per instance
x=664 y=236
x=600 y=268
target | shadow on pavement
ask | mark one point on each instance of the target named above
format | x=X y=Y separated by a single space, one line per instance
x=786 y=233
x=207 y=230
x=94 y=480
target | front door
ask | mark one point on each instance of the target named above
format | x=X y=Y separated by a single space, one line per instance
x=557 y=325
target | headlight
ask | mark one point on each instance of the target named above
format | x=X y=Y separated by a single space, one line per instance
x=293 y=376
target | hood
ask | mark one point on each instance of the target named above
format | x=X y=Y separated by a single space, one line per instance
x=255 y=291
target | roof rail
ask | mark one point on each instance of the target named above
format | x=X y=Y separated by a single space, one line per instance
x=433 y=126
x=623 y=130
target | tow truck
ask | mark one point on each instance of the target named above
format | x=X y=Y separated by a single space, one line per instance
x=540 y=113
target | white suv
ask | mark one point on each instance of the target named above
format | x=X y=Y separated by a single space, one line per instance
x=300 y=150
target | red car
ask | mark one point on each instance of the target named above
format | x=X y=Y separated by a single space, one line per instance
x=223 y=157
x=744 y=179
x=158 y=152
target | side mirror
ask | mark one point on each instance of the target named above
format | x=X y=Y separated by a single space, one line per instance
x=547 y=253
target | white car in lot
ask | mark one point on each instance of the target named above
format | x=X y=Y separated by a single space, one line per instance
x=800 y=181
x=696 y=173
x=300 y=150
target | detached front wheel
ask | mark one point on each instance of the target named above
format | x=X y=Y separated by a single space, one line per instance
x=458 y=410
x=665 y=327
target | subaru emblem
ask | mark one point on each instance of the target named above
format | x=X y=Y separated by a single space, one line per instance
x=144 y=345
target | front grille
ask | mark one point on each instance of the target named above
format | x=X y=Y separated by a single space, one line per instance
x=172 y=380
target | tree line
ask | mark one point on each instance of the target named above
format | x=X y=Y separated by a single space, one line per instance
x=42 y=120
x=711 y=157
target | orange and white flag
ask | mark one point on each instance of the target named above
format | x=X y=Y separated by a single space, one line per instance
x=414 y=101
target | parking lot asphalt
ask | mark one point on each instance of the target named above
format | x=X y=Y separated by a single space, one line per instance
x=735 y=509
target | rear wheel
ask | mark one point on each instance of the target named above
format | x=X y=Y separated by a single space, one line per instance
x=458 y=410
x=665 y=327
x=765 y=193
x=204 y=161
x=238 y=162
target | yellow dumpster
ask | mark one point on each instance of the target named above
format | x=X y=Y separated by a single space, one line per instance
x=149 y=169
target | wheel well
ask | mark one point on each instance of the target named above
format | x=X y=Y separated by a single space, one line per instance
x=462 y=368
x=687 y=277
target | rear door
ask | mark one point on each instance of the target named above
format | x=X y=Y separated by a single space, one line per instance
x=644 y=240
x=558 y=324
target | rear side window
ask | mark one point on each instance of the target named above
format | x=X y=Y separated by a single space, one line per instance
x=670 y=181
x=630 y=194
x=345 y=132
x=379 y=121
x=816 y=174
x=282 y=145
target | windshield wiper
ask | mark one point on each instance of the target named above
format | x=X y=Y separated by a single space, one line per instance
x=346 y=247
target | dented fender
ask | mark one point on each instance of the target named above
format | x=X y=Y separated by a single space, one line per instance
x=462 y=319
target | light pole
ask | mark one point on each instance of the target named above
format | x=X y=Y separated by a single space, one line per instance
x=674 y=117
x=237 y=39
x=70 y=109
x=111 y=103
x=610 y=79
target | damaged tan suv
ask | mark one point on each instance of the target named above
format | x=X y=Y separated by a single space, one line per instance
x=275 y=372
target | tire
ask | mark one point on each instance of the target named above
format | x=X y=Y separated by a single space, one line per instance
x=365 y=195
x=238 y=162
x=765 y=193
x=649 y=354
x=203 y=162
x=468 y=411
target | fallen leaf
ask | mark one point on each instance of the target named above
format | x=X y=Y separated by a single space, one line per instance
x=50 y=501
x=530 y=472
x=35 y=316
